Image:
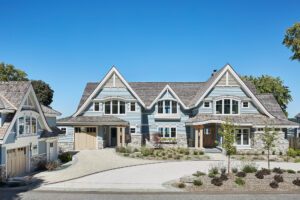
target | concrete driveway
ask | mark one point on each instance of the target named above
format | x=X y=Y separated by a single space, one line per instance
x=89 y=162
x=152 y=177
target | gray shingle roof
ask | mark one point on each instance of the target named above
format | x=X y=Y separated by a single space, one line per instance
x=50 y=111
x=55 y=133
x=88 y=90
x=14 y=91
x=92 y=120
x=271 y=104
x=254 y=119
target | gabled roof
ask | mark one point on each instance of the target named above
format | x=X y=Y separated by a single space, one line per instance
x=92 y=120
x=271 y=104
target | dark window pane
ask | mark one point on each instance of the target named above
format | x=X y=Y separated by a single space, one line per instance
x=107 y=107
x=122 y=107
x=219 y=107
x=132 y=106
x=235 y=107
x=160 y=107
x=96 y=106
x=114 y=107
x=167 y=106
x=226 y=106
x=167 y=132
x=174 y=107
x=206 y=104
x=173 y=132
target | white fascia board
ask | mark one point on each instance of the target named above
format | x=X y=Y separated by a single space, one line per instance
x=167 y=87
x=113 y=70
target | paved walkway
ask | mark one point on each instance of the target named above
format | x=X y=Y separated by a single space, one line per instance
x=147 y=177
x=89 y=162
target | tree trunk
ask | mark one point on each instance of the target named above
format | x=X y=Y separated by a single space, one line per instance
x=268 y=158
x=228 y=165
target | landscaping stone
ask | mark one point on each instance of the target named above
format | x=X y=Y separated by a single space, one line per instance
x=65 y=146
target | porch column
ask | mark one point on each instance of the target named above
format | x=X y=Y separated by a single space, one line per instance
x=196 y=138
x=201 y=138
x=123 y=136
x=118 y=136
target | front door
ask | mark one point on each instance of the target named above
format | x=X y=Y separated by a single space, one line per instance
x=113 y=137
x=209 y=137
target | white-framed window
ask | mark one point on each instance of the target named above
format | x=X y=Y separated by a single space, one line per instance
x=132 y=106
x=245 y=104
x=227 y=106
x=167 y=132
x=132 y=129
x=27 y=125
x=96 y=106
x=115 y=107
x=260 y=129
x=242 y=137
x=206 y=104
x=63 y=129
x=167 y=107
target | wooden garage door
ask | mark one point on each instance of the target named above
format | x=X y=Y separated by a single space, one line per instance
x=16 y=162
x=85 y=138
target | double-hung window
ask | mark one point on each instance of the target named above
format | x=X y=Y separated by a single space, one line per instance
x=96 y=106
x=167 y=107
x=132 y=106
x=242 y=137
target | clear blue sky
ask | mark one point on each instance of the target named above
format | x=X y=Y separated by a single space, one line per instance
x=70 y=43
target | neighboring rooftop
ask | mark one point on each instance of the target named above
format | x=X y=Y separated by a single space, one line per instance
x=298 y=115
x=50 y=111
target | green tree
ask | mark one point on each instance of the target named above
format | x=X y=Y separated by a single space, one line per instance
x=269 y=84
x=8 y=72
x=228 y=138
x=43 y=92
x=292 y=40
x=268 y=139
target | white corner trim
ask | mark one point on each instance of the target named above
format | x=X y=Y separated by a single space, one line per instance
x=167 y=88
x=256 y=101
x=103 y=81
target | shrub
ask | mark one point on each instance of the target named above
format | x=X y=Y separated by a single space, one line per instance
x=290 y=171
x=278 y=178
x=181 y=185
x=165 y=158
x=187 y=152
x=126 y=154
x=277 y=170
x=146 y=151
x=291 y=152
x=41 y=166
x=121 y=149
x=198 y=173
x=217 y=181
x=223 y=177
x=274 y=184
x=201 y=152
x=273 y=153
x=259 y=175
x=198 y=182
x=163 y=153
x=249 y=169
x=196 y=153
x=234 y=170
x=263 y=153
x=296 y=182
x=265 y=171
x=223 y=170
x=51 y=165
x=280 y=153
x=65 y=157
x=188 y=158
x=177 y=157
x=239 y=181
x=170 y=156
x=241 y=174
x=211 y=175
x=298 y=171
x=214 y=170
x=297 y=160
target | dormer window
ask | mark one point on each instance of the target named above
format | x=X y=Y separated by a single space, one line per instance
x=227 y=106
x=167 y=107
x=27 y=125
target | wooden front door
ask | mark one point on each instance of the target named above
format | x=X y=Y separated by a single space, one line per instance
x=16 y=162
x=86 y=140
x=209 y=137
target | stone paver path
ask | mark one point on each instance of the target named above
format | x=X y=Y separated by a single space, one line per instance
x=147 y=177
x=89 y=162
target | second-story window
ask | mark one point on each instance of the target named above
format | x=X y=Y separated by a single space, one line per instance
x=27 y=125
x=114 y=107
x=167 y=107
x=132 y=106
x=227 y=107
x=96 y=106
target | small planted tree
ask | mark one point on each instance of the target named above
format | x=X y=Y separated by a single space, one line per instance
x=228 y=133
x=156 y=140
x=268 y=139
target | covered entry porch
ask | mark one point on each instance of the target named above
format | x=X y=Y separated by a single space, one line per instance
x=206 y=136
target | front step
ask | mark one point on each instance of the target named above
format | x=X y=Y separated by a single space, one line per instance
x=212 y=150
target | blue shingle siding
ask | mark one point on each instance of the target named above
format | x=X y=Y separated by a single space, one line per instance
x=69 y=137
x=167 y=95
x=226 y=91
x=2 y=155
x=114 y=92
x=10 y=138
x=42 y=147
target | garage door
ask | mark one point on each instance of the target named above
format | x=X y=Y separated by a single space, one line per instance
x=85 y=138
x=16 y=162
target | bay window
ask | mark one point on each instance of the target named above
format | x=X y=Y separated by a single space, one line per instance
x=114 y=107
x=167 y=107
x=227 y=106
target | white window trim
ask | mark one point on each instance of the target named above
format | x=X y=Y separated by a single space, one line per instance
x=64 y=128
x=132 y=127
x=171 y=106
x=245 y=106
x=24 y=124
x=208 y=106
x=111 y=106
x=94 y=104
x=242 y=142
x=130 y=107
x=170 y=127
x=215 y=106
